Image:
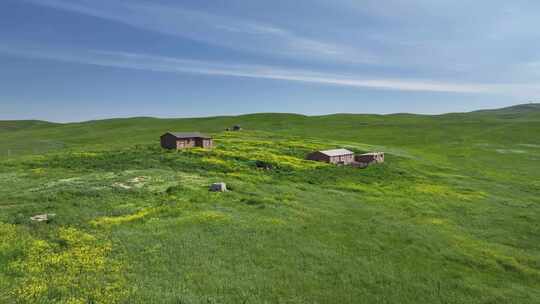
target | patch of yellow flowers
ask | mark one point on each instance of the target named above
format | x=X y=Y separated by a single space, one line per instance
x=75 y=269
x=114 y=220
x=442 y=190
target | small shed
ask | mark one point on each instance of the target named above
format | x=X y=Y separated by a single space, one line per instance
x=183 y=140
x=370 y=158
x=336 y=156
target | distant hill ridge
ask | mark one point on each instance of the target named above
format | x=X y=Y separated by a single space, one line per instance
x=15 y=125
x=514 y=111
x=521 y=108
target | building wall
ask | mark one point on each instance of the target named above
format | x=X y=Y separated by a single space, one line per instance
x=317 y=156
x=185 y=143
x=168 y=141
x=206 y=143
x=346 y=159
x=342 y=159
x=370 y=158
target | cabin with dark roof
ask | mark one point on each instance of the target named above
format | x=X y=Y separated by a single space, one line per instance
x=184 y=140
x=370 y=158
x=336 y=156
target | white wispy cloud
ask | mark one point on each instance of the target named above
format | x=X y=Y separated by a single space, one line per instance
x=178 y=65
x=213 y=29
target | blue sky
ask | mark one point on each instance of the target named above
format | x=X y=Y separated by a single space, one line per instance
x=72 y=60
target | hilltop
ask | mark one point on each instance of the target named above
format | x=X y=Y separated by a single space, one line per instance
x=450 y=217
x=41 y=136
x=517 y=109
x=529 y=111
x=14 y=125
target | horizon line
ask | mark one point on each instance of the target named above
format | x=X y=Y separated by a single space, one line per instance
x=104 y=118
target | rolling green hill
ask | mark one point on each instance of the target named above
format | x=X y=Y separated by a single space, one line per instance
x=531 y=108
x=451 y=217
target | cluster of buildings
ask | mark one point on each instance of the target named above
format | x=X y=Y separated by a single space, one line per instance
x=183 y=140
x=346 y=157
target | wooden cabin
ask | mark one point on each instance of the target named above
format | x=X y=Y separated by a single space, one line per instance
x=181 y=140
x=336 y=156
x=370 y=158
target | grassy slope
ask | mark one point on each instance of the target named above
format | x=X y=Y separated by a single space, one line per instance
x=452 y=217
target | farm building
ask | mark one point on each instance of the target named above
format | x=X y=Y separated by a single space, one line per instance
x=336 y=156
x=370 y=158
x=177 y=140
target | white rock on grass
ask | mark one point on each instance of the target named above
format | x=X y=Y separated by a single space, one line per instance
x=218 y=187
x=42 y=217
x=138 y=179
x=121 y=185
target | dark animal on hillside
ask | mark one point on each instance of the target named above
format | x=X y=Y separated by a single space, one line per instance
x=264 y=165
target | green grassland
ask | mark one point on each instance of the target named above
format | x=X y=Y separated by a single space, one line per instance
x=451 y=217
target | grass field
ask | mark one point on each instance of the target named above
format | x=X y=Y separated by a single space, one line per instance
x=453 y=216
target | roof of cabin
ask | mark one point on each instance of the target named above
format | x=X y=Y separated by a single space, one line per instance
x=336 y=152
x=180 y=135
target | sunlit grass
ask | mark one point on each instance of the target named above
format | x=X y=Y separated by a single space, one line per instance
x=444 y=220
x=73 y=267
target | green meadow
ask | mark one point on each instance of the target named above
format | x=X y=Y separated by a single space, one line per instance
x=452 y=216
